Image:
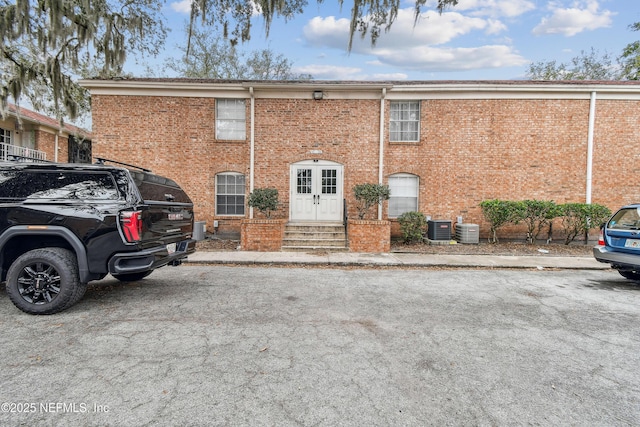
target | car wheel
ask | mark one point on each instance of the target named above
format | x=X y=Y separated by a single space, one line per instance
x=44 y=281
x=631 y=275
x=132 y=277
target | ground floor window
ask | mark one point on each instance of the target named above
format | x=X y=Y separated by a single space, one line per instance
x=230 y=193
x=404 y=194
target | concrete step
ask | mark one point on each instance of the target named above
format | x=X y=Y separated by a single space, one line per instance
x=312 y=242
x=314 y=249
x=304 y=237
x=319 y=235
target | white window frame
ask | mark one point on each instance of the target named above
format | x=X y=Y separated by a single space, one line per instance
x=6 y=136
x=231 y=120
x=404 y=121
x=228 y=192
x=403 y=193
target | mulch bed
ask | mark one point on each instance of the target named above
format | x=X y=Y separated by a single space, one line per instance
x=483 y=248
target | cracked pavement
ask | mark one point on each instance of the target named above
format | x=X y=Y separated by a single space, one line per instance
x=238 y=346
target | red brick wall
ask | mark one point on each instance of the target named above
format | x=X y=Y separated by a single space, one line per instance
x=174 y=137
x=469 y=150
x=615 y=157
x=262 y=234
x=473 y=150
x=288 y=131
x=369 y=236
x=46 y=141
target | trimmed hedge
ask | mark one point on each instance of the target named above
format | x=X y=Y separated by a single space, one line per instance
x=577 y=218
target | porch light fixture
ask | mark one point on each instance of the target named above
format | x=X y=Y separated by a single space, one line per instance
x=318 y=95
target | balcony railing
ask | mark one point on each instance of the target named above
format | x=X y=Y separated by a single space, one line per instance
x=9 y=152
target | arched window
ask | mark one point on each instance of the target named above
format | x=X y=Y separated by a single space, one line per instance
x=230 y=193
x=404 y=194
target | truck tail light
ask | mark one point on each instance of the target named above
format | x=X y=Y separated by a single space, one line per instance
x=601 y=238
x=131 y=225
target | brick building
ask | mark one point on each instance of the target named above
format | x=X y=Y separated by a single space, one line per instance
x=442 y=147
x=26 y=133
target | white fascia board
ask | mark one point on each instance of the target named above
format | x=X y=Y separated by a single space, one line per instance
x=513 y=91
x=355 y=90
x=169 y=88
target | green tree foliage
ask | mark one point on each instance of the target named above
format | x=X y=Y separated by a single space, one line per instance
x=367 y=16
x=580 y=218
x=265 y=200
x=47 y=43
x=586 y=66
x=369 y=195
x=212 y=57
x=413 y=226
x=499 y=213
x=630 y=57
x=592 y=65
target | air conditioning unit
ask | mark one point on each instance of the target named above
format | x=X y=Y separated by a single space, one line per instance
x=468 y=233
x=439 y=230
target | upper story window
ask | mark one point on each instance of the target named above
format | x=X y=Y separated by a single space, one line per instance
x=404 y=125
x=404 y=194
x=5 y=136
x=230 y=193
x=231 y=119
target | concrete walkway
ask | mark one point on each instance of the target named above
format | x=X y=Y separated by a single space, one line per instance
x=396 y=259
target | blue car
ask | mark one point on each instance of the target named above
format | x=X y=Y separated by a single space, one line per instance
x=619 y=242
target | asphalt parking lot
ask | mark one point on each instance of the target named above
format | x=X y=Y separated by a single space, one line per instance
x=236 y=346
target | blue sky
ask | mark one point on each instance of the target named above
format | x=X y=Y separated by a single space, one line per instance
x=478 y=39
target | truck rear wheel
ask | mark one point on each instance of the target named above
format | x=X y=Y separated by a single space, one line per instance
x=44 y=281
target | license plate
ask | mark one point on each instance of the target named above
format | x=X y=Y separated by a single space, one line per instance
x=171 y=248
x=632 y=243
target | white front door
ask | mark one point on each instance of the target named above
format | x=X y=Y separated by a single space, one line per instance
x=316 y=191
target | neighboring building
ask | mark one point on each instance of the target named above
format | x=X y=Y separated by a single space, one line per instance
x=30 y=134
x=442 y=147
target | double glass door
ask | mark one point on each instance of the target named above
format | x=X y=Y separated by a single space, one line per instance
x=316 y=193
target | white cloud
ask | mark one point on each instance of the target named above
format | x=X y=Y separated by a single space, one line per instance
x=331 y=72
x=496 y=8
x=335 y=72
x=389 y=76
x=425 y=58
x=422 y=47
x=583 y=16
x=431 y=29
x=182 y=6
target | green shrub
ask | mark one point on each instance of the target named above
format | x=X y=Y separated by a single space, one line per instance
x=264 y=199
x=536 y=214
x=579 y=218
x=369 y=195
x=413 y=226
x=498 y=213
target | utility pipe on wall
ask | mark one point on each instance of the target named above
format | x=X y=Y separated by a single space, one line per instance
x=381 y=159
x=252 y=149
x=592 y=117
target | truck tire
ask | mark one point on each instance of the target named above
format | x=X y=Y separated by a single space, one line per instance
x=132 y=277
x=44 y=281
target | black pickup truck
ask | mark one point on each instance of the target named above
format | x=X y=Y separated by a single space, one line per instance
x=64 y=225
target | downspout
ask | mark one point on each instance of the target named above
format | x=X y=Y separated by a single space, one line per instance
x=253 y=147
x=55 y=146
x=381 y=159
x=592 y=117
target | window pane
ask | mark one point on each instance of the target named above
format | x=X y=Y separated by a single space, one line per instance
x=230 y=119
x=405 y=121
x=404 y=194
x=230 y=194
